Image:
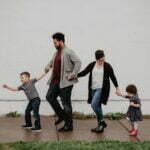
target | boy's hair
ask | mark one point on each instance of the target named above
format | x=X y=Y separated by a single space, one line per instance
x=59 y=36
x=99 y=54
x=131 y=89
x=25 y=73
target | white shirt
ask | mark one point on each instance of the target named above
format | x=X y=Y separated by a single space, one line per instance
x=97 y=77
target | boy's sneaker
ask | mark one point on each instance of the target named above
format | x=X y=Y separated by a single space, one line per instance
x=26 y=126
x=36 y=129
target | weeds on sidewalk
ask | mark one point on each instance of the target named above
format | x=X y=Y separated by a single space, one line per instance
x=110 y=116
x=13 y=114
x=115 y=116
x=79 y=115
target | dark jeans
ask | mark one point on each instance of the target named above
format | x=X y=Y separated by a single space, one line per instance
x=33 y=105
x=65 y=95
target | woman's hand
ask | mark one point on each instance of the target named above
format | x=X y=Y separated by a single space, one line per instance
x=118 y=92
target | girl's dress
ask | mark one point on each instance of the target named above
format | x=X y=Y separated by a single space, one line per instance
x=134 y=113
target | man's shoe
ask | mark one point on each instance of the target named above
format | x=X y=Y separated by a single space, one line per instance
x=58 y=121
x=65 y=129
x=36 y=129
x=26 y=126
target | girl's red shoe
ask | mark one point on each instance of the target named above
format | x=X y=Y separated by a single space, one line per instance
x=130 y=131
x=134 y=133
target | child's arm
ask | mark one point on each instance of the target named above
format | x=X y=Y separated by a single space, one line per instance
x=41 y=76
x=10 y=88
x=134 y=105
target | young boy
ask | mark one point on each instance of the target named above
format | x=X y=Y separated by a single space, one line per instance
x=28 y=86
x=134 y=113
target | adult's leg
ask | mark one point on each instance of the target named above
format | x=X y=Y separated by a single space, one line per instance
x=36 y=106
x=52 y=95
x=65 y=95
x=96 y=104
x=28 y=114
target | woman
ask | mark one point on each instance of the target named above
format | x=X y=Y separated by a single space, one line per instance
x=100 y=73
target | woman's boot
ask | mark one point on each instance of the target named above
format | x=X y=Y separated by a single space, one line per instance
x=100 y=128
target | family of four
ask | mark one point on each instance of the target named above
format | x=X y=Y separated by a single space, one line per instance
x=65 y=66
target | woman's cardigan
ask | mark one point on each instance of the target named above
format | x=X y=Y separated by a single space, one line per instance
x=108 y=74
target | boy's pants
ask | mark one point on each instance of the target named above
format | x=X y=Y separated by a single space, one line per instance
x=33 y=105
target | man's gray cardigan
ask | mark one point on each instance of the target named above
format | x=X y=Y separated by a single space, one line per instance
x=70 y=64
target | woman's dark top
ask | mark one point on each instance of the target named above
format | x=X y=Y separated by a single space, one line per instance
x=108 y=74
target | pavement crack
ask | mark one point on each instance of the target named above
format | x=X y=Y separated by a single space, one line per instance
x=56 y=128
x=122 y=124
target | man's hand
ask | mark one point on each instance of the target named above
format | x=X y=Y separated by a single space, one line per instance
x=70 y=77
x=46 y=70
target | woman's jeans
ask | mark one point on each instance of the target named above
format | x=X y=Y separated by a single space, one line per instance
x=96 y=103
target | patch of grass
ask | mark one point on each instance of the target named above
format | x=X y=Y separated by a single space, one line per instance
x=146 y=116
x=82 y=116
x=13 y=114
x=68 y=145
x=115 y=116
x=111 y=116
x=79 y=115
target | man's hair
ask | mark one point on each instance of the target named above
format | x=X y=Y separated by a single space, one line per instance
x=59 y=36
x=99 y=54
x=131 y=89
x=25 y=73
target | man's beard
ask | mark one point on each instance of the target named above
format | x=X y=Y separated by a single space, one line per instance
x=58 y=47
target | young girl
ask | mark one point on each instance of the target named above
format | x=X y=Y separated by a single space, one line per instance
x=134 y=114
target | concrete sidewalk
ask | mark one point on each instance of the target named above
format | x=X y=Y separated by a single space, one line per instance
x=10 y=131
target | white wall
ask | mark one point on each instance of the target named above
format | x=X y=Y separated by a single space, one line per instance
x=120 y=27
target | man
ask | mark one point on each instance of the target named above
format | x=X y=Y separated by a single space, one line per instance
x=65 y=66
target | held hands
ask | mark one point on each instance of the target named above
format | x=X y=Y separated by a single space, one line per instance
x=70 y=77
x=46 y=70
x=118 y=92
